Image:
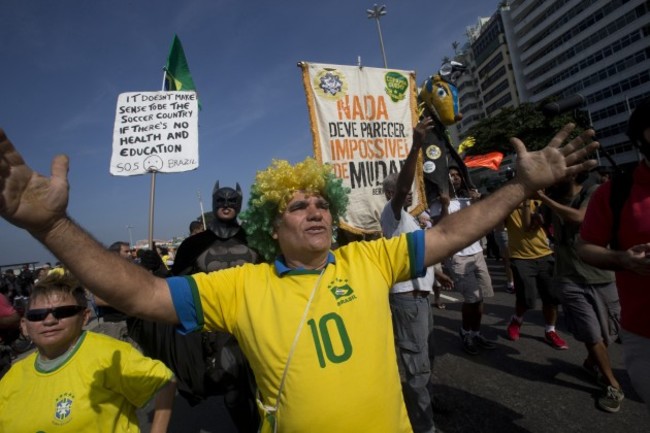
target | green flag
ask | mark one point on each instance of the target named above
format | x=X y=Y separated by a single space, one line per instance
x=177 y=73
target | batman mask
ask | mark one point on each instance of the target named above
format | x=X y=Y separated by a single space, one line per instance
x=226 y=197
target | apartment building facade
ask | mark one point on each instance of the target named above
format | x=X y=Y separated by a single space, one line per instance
x=530 y=50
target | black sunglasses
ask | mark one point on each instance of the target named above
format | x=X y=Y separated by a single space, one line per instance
x=39 y=314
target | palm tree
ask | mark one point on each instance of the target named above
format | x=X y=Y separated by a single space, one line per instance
x=455 y=46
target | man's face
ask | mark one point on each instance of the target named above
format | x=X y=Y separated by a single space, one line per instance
x=305 y=227
x=226 y=203
x=455 y=178
x=54 y=336
x=389 y=193
x=604 y=177
x=125 y=251
x=226 y=213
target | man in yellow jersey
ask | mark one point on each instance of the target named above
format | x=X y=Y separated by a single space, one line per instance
x=314 y=323
x=531 y=260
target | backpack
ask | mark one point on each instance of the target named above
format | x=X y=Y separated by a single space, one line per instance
x=621 y=185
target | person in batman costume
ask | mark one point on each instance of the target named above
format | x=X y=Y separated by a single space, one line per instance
x=211 y=363
x=223 y=245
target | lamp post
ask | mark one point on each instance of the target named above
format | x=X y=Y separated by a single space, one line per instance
x=129 y=227
x=377 y=12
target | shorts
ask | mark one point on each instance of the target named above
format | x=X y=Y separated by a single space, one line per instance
x=533 y=278
x=471 y=277
x=592 y=311
x=501 y=238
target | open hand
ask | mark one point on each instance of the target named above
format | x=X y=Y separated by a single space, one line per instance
x=420 y=131
x=446 y=282
x=543 y=168
x=27 y=199
x=637 y=259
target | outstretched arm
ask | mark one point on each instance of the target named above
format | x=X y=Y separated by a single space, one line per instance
x=535 y=171
x=567 y=213
x=38 y=204
x=407 y=173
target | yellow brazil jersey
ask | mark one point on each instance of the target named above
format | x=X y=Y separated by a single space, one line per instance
x=526 y=244
x=96 y=390
x=343 y=375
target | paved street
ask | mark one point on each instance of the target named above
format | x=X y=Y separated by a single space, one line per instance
x=523 y=386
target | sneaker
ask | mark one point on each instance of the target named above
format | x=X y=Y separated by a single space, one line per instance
x=468 y=343
x=513 y=329
x=510 y=288
x=555 y=340
x=611 y=399
x=483 y=342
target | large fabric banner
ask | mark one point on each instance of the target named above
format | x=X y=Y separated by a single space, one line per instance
x=362 y=123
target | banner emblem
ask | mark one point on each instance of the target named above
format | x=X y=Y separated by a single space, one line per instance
x=396 y=86
x=330 y=83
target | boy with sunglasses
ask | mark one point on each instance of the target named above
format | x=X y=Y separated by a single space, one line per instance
x=78 y=380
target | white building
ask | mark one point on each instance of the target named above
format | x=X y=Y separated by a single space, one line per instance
x=531 y=50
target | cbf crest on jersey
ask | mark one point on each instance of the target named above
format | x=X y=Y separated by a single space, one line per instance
x=342 y=292
x=63 y=408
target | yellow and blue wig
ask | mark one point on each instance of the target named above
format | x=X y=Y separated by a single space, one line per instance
x=274 y=188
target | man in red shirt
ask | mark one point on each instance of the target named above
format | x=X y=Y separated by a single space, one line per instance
x=9 y=323
x=631 y=260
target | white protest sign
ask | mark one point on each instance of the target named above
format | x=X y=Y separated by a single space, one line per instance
x=155 y=131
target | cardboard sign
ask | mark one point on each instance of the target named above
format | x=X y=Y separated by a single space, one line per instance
x=155 y=131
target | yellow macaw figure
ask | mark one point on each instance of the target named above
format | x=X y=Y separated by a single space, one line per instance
x=441 y=98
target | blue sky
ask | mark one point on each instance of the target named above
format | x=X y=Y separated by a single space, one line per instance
x=65 y=63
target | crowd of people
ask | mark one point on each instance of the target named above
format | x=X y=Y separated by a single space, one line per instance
x=301 y=321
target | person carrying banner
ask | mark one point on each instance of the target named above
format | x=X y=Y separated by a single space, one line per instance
x=315 y=323
x=409 y=300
